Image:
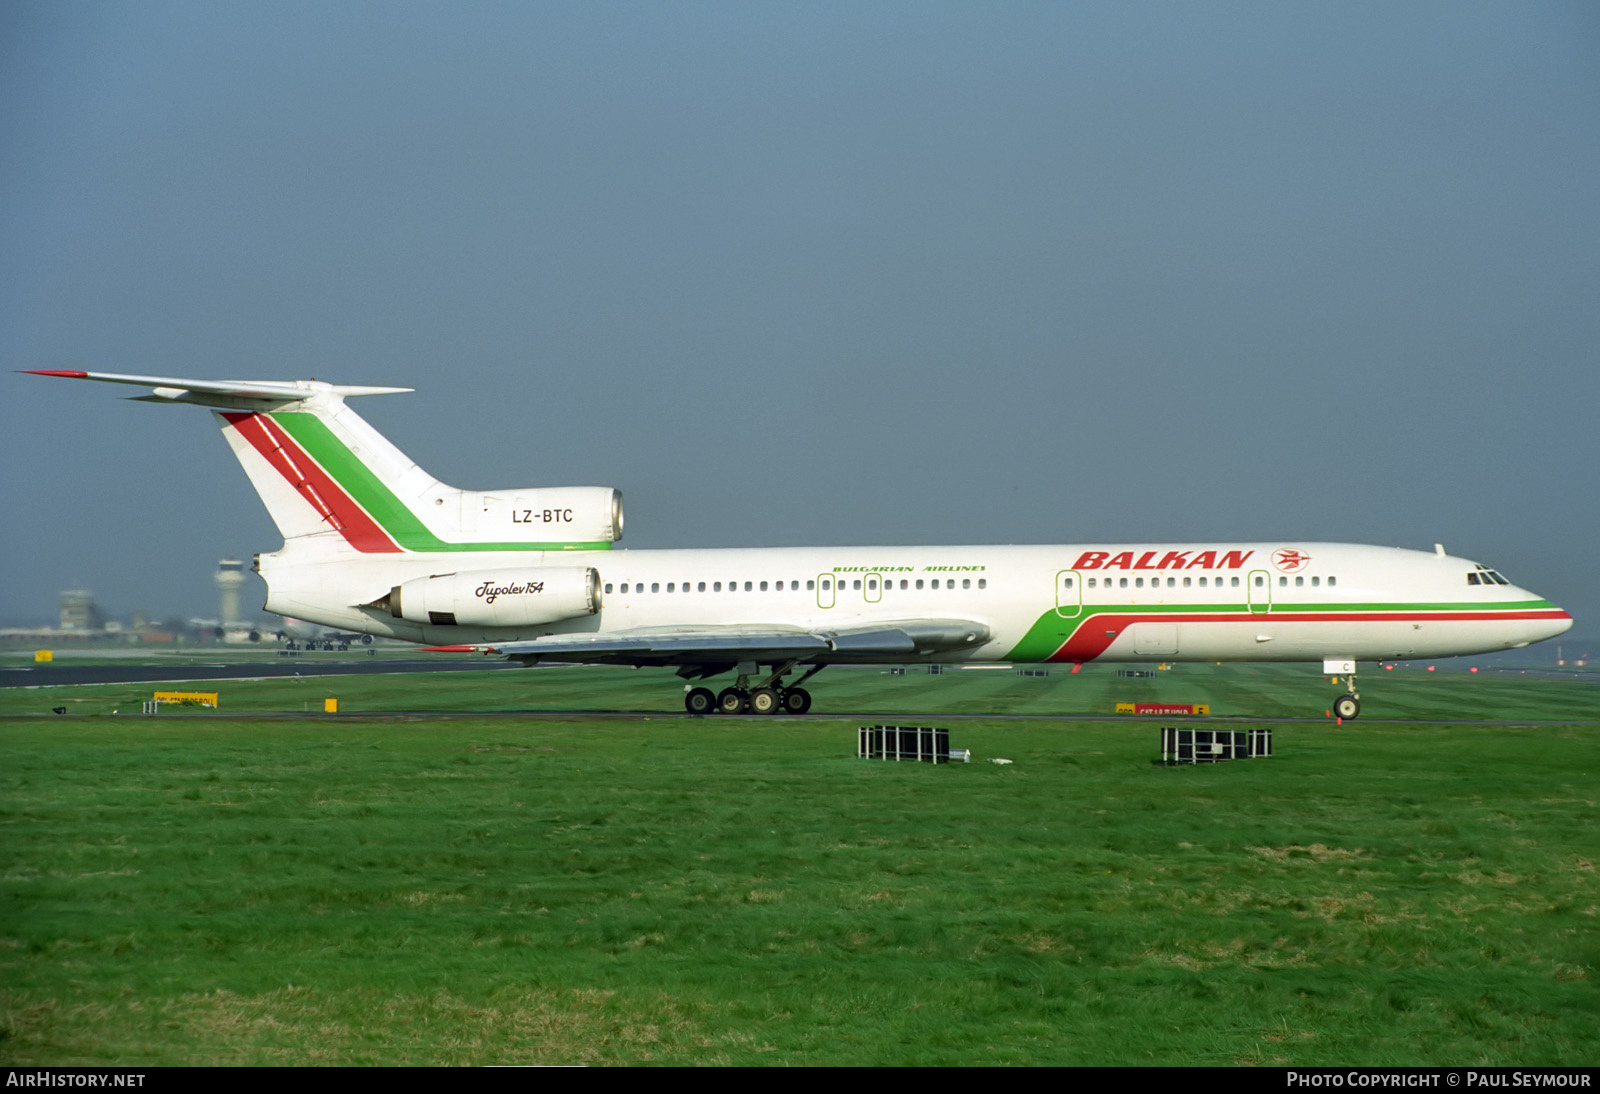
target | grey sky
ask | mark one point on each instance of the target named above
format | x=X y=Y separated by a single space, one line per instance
x=817 y=273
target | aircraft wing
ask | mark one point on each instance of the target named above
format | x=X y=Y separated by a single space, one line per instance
x=724 y=646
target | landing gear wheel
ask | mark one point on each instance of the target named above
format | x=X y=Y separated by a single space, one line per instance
x=1346 y=707
x=733 y=701
x=700 y=701
x=796 y=701
x=764 y=701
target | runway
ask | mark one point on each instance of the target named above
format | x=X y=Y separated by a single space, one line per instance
x=130 y=671
x=56 y=674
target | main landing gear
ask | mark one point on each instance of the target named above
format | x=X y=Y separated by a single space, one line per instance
x=769 y=696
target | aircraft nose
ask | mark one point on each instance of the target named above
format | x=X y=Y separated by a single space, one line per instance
x=1557 y=622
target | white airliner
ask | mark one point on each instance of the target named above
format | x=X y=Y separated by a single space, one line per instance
x=375 y=545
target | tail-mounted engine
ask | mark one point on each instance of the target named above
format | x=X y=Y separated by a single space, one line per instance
x=517 y=596
x=589 y=515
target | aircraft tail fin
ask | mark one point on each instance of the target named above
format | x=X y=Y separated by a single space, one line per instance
x=333 y=483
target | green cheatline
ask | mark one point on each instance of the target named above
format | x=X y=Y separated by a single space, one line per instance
x=395 y=517
x=1048 y=633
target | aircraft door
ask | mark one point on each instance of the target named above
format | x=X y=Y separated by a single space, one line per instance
x=874 y=588
x=825 y=591
x=1069 y=594
x=1260 y=592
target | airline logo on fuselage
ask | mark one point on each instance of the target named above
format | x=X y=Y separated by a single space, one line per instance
x=1163 y=560
x=1289 y=560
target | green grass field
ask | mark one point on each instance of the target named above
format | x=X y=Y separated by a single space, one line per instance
x=370 y=888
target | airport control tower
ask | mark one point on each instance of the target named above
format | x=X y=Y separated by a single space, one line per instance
x=230 y=579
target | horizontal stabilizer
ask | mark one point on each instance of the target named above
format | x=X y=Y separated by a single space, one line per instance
x=230 y=394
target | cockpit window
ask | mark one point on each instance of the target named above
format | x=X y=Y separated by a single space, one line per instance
x=1482 y=575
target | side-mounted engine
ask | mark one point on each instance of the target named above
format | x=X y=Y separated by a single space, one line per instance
x=517 y=596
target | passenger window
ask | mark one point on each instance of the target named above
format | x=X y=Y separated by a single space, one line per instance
x=1202 y=583
x=716 y=586
x=702 y=587
x=1260 y=581
x=1234 y=582
x=811 y=586
x=608 y=586
x=1067 y=581
x=1123 y=582
x=919 y=583
x=1333 y=581
x=983 y=583
x=624 y=586
x=966 y=583
x=1283 y=583
x=747 y=586
x=1299 y=581
x=1316 y=581
x=1185 y=583
x=763 y=586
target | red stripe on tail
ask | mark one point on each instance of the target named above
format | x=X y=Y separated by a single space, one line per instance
x=324 y=495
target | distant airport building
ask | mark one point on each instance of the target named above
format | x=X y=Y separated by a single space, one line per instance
x=79 y=613
x=229 y=579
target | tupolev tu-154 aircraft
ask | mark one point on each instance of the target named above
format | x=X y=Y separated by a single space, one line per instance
x=375 y=545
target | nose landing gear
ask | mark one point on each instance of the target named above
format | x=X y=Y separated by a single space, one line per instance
x=1348 y=705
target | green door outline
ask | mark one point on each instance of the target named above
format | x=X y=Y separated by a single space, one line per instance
x=1260 y=592
x=1069 y=593
x=825 y=591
